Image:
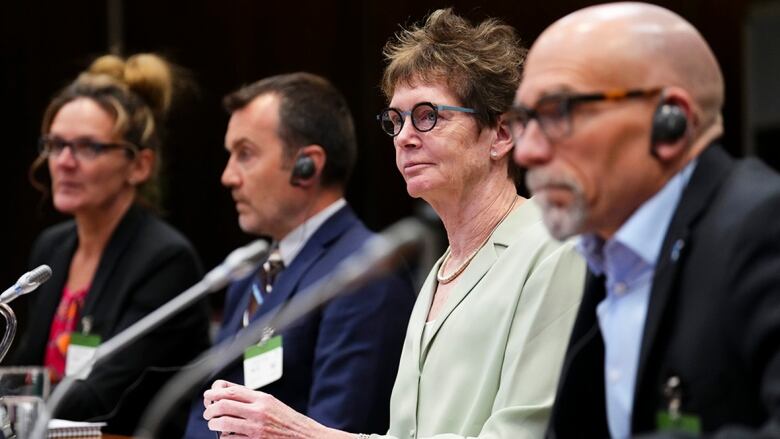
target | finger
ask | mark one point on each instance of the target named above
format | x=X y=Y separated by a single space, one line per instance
x=228 y=424
x=227 y=407
x=234 y=392
x=218 y=384
x=221 y=384
x=207 y=401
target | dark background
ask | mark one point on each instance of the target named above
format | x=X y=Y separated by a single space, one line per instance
x=224 y=44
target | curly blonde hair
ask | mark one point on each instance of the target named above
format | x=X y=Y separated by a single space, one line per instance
x=137 y=92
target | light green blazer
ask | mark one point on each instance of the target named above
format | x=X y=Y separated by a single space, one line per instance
x=490 y=366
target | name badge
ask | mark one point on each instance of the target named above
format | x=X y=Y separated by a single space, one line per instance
x=263 y=363
x=81 y=350
x=673 y=419
x=685 y=423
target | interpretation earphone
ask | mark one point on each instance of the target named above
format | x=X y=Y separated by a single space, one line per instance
x=303 y=169
x=669 y=125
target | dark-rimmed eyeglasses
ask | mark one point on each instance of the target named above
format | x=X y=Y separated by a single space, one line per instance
x=82 y=149
x=424 y=117
x=553 y=112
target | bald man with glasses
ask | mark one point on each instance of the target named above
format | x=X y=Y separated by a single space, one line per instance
x=618 y=119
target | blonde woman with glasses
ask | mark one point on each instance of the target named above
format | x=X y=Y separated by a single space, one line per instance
x=114 y=261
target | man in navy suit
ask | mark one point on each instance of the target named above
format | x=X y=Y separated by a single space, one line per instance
x=292 y=148
x=619 y=122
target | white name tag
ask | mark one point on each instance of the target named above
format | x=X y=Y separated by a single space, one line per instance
x=81 y=350
x=263 y=363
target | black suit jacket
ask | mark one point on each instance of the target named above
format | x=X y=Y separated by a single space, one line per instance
x=145 y=264
x=713 y=318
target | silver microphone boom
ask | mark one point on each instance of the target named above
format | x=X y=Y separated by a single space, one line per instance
x=27 y=283
x=238 y=264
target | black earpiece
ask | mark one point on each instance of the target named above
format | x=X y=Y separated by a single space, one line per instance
x=669 y=124
x=303 y=169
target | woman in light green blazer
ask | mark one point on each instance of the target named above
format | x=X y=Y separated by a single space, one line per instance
x=486 y=365
x=488 y=333
x=487 y=336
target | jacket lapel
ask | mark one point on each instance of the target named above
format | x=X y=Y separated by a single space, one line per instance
x=288 y=281
x=469 y=279
x=420 y=313
x=48 y=296
x=476 y=270
x=125 y=232
x=712 y=169
x=583 y=372
x=586 y=326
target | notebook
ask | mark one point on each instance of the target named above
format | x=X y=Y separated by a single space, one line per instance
x=62 y=428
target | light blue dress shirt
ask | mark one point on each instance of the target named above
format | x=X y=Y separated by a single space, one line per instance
x=628 y=262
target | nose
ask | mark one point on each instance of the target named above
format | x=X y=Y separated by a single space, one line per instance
x=230 y=177
x=65 y=158
x=408 y=137
x=533 y=148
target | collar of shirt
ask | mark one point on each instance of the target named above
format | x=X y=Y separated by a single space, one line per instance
x=642 y=235
x=293 y=242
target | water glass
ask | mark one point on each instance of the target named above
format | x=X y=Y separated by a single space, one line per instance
x=24 y=381
x=18 y=415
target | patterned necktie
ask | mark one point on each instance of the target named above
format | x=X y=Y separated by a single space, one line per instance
x=267 y=275
x=271 y=268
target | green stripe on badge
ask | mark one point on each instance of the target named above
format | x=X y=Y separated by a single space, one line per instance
x=680 y=423
x=77 y=338
x=271 y=344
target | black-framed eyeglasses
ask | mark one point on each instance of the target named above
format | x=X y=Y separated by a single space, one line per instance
x=424 y=117
x=553 y=112
x=82 y=149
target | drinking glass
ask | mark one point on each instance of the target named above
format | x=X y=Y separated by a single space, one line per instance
x=24 y=381
x=18 y=414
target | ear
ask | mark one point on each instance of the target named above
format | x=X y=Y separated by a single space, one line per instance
x=673 y=151
x=141 y=167
x=502 y=142
x=317 y=154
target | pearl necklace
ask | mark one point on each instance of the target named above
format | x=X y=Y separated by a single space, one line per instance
x=447 y=279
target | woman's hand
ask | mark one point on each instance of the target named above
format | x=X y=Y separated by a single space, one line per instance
x=235 y=410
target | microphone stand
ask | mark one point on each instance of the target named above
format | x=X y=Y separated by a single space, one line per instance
x=238 y=264
x=10 y=329
x=378 y=256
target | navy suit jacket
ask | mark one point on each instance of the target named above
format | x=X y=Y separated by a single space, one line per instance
x=340 y=362
x=713 y=319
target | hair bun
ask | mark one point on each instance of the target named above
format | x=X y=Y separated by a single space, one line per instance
x=110 y=65
x=148 y=75
x=151 y=77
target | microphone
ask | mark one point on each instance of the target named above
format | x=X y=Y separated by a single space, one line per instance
x=27 y=283
x=238 y=264
x=379 y=255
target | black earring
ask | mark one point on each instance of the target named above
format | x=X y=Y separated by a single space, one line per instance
x=303 y=169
